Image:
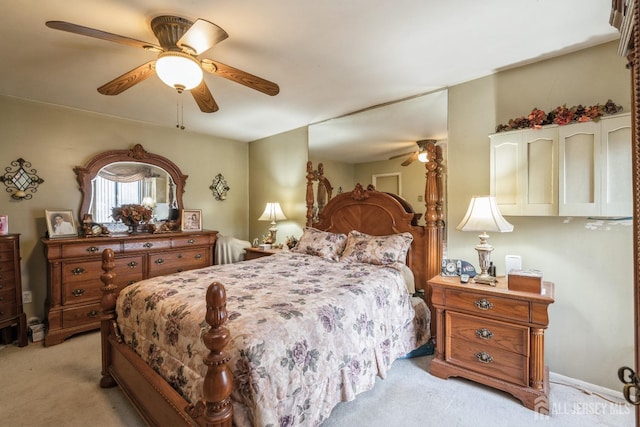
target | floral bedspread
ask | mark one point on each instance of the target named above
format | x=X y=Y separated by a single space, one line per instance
x=307 y=333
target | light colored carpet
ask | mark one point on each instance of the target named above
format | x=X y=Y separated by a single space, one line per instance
x=58 y=386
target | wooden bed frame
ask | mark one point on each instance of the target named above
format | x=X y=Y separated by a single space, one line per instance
x=368 y=211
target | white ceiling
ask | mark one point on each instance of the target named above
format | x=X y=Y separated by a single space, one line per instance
x=329 y=57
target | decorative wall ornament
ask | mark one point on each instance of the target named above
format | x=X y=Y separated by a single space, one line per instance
x=20 y=180
x=219 y=187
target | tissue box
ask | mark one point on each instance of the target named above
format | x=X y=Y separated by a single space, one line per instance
x=525 y=281
x=36 y=332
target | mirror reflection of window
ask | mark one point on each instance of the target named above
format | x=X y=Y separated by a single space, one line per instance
x=124 y=183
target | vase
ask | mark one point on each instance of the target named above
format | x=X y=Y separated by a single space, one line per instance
x=133 y=228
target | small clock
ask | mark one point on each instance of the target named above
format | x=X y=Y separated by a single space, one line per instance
x=451 y=267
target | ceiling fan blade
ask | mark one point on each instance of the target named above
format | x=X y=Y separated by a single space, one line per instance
x=128 y=79
x=201 y=36
x=239 y=76
x=103 y=35
x=401 y=155
x=411 y=159
x=204 y=99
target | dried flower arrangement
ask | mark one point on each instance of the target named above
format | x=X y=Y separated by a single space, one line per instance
x=131 y=214
x=561 y=115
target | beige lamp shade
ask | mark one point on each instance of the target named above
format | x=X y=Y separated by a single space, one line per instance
x=483 y=215
x=272 y=212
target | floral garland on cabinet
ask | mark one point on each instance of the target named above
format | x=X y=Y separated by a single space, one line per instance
x=561 y=116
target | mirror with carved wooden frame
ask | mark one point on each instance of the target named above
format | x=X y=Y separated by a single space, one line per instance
x=86 y=175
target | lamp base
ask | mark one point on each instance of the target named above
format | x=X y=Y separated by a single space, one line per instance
x=485 y=279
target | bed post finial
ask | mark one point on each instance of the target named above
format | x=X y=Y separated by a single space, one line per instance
x=215 y=409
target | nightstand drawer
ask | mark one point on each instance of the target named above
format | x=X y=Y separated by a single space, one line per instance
x=492 y=334
x=490 y=361
x=488 y=305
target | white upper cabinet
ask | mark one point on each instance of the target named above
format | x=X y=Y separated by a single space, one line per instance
x=581 y=169
x=595 y=168
x=524 y=171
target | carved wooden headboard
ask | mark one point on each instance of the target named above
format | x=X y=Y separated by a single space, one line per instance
x=378 y=213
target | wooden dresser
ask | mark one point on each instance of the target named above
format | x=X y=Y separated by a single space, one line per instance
x=493 y=336
x=74 y=267
x=11 y=312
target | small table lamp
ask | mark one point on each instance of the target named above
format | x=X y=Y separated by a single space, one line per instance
x=483 y=215
x=272 y=212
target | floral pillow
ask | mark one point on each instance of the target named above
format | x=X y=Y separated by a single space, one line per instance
x=379 y=250
x=321 y=243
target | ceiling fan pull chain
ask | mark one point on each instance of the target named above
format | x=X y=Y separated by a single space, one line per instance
x=179 y=112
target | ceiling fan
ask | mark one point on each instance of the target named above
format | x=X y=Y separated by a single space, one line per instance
x=415 y=155
x=177 y=65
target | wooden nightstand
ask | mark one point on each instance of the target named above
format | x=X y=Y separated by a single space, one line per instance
x=253 y=253
x=493 y=336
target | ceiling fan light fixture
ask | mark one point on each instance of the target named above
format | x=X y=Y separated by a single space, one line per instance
x=423 y=157
x=179 y=70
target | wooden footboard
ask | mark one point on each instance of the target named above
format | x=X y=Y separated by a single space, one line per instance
x=156 y=401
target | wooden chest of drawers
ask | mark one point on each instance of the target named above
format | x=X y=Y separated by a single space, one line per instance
x=75 y=265
x=493 y=336
x=11 y=312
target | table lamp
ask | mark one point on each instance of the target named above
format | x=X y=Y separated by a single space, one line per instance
x=483 y=215
x=272 y=212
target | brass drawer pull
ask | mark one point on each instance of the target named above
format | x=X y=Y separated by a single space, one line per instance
x=483 y=304
x=484 y=334
x=179 y=270
x=198 y=256
x=484 y=357
x=93 y=313
x=132 y=264
x=148 y=245
x=191 y=241
x=159 y=261
x=179 y=256
x=131 y=282
x=78 y=292
x=93 y=249
x=78 y=271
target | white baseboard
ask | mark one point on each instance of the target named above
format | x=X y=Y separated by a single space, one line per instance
x=585 y=385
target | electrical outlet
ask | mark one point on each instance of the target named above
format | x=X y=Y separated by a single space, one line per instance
x=27 y=297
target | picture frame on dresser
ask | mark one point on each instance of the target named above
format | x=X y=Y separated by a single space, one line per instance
x=60 y=223
x=191 y=220
x=4 y=225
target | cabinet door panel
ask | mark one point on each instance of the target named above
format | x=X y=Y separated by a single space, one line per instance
x=617 y=180
x=505 y=172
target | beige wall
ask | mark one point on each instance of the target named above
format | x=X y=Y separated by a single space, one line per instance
x=278 y=171
x=591 y=323
x=56 y=139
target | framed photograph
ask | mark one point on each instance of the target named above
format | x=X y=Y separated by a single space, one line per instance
x=191 y=220
x=60 y=223
x=4 y=224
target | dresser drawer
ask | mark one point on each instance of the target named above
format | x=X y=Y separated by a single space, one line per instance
x=493 y=334
x=6 y=268
x=177 y=261
x=82 y=279
x=87 y=314
x=197 y=240
x=487 y=360
x=88 y=248
x=6 y=253
x=489 y=305
x=8 y=304
x=145 y=245
x=7 y=280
